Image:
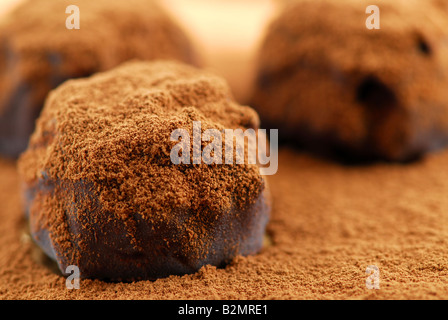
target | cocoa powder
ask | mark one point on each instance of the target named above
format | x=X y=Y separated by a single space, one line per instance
x=328 y=224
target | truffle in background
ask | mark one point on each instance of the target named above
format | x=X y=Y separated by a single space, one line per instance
x=102 y=193
x=335 y=88
x=38 y=52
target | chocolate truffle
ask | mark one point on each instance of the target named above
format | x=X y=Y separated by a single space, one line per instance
x=102 y=193
x=38 y=52
x=335 y=87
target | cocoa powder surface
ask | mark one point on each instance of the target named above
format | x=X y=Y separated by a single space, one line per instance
x=328 y=223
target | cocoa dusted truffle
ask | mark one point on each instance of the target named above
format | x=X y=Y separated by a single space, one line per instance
x=102 y=192
x=332 y=86
x=38 y=52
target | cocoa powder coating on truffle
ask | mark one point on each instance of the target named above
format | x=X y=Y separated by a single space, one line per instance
x=102 y=193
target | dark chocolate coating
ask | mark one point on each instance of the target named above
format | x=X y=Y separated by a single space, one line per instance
x=105 y=250
x=23 y=104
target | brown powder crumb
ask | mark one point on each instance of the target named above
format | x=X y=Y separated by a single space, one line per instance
x=103 y=194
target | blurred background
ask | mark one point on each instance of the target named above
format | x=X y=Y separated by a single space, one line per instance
x=225 y=32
